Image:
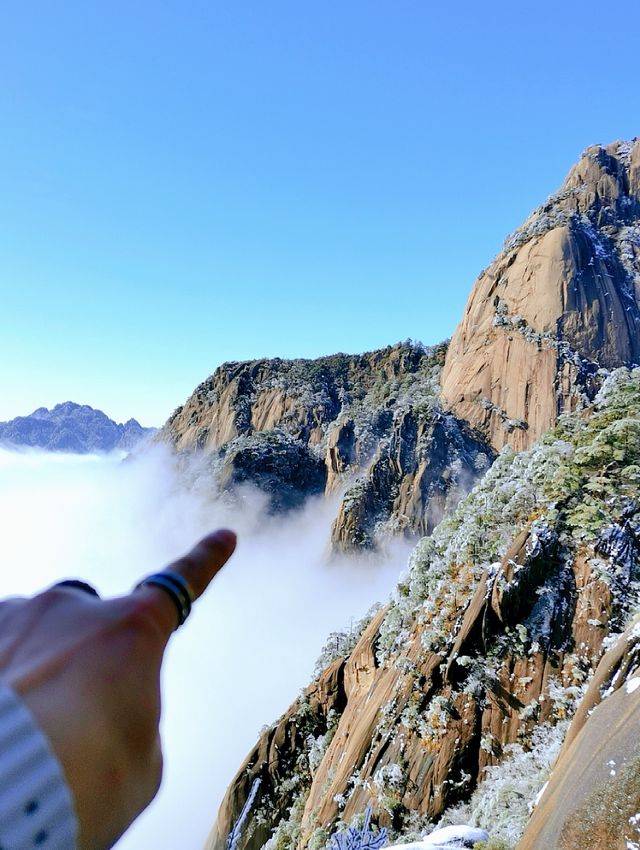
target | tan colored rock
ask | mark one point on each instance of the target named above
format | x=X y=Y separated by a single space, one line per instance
x=593 y=796
x=414 y=479
x=593 y=608
x=341 y=452
x=367 y=688
x=371 y=422
x=303 y=397
x=555 y=305
x=434 y=761
x=273 y=758
x=475 y=661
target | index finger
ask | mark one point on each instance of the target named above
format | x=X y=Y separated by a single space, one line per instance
x=197 y=569
x=199 y=566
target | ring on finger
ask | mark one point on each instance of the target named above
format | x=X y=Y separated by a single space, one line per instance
x=78 y=584
x=177 y=589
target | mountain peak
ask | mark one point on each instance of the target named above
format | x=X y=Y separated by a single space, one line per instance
x=604 y=186
x=558 y=305
x=72 y=427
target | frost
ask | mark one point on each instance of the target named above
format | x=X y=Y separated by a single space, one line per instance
x=579 y=485
x=389 y=776
x=234 y=835
x=623 y=152
x=339 y=644
x=601 y=250
x=632 y=685
x=449 y=838
x=502 y=802
x=536 y=225
x=538 y=796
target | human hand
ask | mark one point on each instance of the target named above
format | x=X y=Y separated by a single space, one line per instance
x=89 y=671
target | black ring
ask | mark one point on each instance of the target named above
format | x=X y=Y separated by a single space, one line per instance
x=78 y=584
x=176 y=587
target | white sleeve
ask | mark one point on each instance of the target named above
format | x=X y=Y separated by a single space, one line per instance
x=36 y=806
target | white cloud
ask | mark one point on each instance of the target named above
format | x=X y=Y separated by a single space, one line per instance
x=250 y=644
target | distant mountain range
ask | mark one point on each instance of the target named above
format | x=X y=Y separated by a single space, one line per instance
x=71 y=427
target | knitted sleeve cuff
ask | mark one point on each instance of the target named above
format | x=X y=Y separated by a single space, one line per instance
x=36 y=806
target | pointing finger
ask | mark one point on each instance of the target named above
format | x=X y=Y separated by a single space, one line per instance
x=199 y=566
x=193 y=572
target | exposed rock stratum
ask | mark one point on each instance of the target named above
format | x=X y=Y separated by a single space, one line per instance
x=486 y=646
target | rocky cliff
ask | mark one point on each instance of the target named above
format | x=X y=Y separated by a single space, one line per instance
x=557 y=305
x=367 y=428
x=467 y=678
x=450 y=703
x=71 y=427
x=402 y=433
x=593 y=796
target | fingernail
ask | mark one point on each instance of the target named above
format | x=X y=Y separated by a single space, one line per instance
x=227 y=538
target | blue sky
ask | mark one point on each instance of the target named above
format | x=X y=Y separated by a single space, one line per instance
x=188 y=183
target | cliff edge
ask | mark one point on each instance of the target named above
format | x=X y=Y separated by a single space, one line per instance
x=556 y=306
x=368 y=429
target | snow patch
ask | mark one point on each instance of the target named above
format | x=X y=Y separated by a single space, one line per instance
x=538 y=796
x=632 y=685
x=447 y=838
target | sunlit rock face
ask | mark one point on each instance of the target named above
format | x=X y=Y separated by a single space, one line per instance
x=486 y=646
x=450 y=703
x=559 y=303
x=593 y=796
x=367 y=430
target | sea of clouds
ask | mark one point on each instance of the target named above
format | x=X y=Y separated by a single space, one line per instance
x=251 y=642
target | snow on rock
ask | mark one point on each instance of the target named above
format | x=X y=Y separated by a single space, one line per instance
x=539 y=795
x=447 y=838
x=456 y=836
x=632 y=685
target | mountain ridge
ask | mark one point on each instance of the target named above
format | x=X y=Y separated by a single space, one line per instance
x=458 y=693
x=473 y=656
x=72 y=427
x=367 y=427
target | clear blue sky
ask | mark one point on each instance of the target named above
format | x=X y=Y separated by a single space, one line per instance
x=188 y=183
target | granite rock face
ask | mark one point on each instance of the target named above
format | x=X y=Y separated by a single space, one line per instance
x=593 y=796
x=443 y=702
x=401 y=436
x=557 y=305
x=71 y=427
x=275 y=757
x=415 y=478
x=365 y=429
x=489 y=640
x=283 y=468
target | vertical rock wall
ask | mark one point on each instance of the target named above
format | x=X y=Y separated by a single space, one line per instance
x=560 y=302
